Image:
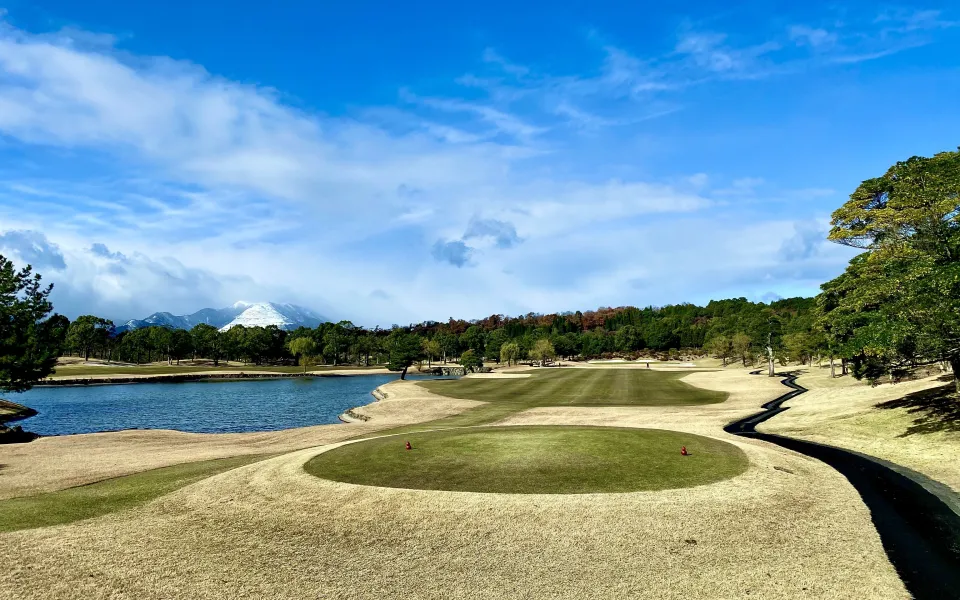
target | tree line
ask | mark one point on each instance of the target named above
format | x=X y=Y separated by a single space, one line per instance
x=665 y=332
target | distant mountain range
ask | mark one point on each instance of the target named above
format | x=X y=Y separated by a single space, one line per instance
x=284 y=316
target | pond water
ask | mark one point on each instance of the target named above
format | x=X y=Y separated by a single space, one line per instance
x=201 y=406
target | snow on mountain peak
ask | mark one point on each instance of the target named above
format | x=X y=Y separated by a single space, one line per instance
x=284 y=316
x=248 y=314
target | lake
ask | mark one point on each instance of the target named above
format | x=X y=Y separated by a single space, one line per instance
x=201 y=406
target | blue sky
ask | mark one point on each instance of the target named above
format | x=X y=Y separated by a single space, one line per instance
x=390 y=164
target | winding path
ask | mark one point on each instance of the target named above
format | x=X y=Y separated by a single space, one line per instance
x=917 y=518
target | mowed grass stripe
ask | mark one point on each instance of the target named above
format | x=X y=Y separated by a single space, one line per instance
x=561 y=387
x=581 y=387
x=109 y=495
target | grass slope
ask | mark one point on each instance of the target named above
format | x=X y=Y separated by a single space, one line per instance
x=534 y=460
x=110 y=495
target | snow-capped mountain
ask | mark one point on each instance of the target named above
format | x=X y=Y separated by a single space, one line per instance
x=284 y=316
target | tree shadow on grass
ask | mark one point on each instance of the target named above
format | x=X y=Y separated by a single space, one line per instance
x=936 y=410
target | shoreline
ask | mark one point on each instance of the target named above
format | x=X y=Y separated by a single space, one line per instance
x=11 y=411
x=194 y=377
x=349 y=416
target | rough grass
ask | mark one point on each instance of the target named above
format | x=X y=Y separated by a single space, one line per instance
x=568 y=387
x=534 y=460
x=95 y=499
x=912 y=423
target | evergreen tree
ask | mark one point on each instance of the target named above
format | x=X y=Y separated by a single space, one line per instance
x=30 y=339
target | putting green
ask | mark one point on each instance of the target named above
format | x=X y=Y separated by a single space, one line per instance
x=533 y=460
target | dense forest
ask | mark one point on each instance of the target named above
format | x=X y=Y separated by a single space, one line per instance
x=727 y=327
x=896 y=307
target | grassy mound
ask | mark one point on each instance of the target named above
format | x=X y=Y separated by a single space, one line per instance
x=533 y=460
x=110 y=495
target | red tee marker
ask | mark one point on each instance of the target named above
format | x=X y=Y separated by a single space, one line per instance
x=683 y=451
x=409 y=447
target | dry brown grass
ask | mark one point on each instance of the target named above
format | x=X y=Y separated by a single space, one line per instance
x=904 y=423
x=789 y=527
x=271 y=530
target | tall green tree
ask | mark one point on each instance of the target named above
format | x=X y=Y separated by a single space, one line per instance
x=567 y=345
x=509 y=353
x=495 y=340
x=207 y=342
x=303 y=348
x=799 y=347
x=30 y=338
x=431 y=349
x=627 y=339
x=898 y=304
x=181 y=344
x=473 y=339
x=471 y=361
x=721 y=347
x=405 y=349
x=233 y=343
x=368 y=344
x=449 y=344
x=741 y=343
x=543 y=351
x=87 y=333
x=161 y=340
x=258 y=342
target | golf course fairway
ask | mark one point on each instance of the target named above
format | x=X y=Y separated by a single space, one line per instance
x=533 y=460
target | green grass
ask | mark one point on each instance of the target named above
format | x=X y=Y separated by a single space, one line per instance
x=122 y=370
x=581 y=387
x=533 y=460
x=110 y=495
x=565 y=387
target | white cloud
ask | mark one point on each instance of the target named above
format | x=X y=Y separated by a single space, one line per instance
x=219 y=190
x=813 y=37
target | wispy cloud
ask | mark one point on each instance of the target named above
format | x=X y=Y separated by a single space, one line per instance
x=183 y=187
x=815 y=37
